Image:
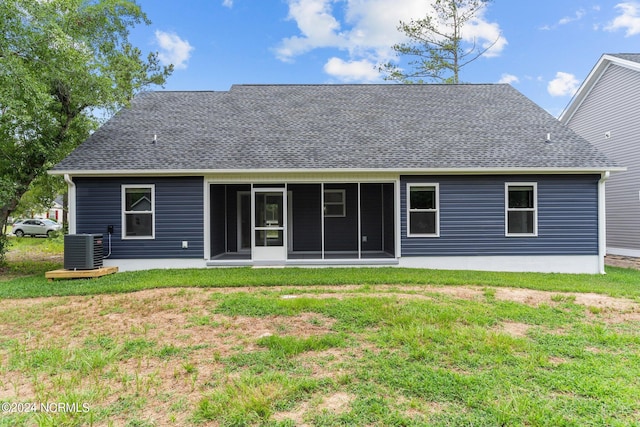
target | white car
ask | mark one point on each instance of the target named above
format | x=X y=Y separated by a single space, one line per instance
x=35 y=227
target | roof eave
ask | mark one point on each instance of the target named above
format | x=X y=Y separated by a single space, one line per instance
x=403 y=171
x=589 y=82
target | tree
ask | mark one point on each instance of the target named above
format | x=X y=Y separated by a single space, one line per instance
x=60 y=61
x=437 y=50
x=40 y=197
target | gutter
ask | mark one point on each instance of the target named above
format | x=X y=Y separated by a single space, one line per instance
x=72 y=203
x=602 y=221
x=400 y=171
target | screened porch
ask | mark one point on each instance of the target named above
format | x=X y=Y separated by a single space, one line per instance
x=302 y=223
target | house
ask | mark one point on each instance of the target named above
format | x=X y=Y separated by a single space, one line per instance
x=434 y=176
x=55 y=212
x=606 y=112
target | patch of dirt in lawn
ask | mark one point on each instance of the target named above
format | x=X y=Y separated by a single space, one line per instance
x=296 y=415
x=536 y=298
x=556 y=361
x=622 y=261
x=336 y=403
x=514 y=329
x=33 y=256
x=163 y=316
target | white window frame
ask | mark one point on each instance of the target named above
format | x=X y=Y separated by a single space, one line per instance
x=124 y=189
x=342 y=203
x=507 y=209
x=436 y=186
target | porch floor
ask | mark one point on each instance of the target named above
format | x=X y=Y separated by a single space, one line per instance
x=310 y=258
x=338 y=255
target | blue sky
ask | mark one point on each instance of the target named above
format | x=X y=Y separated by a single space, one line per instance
x=544 y=48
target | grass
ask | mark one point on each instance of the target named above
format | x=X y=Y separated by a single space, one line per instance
x=24 y=278
x=618 y=282
x=29 y=256
x=432 y=359
x=31 y=245
x=295 y=350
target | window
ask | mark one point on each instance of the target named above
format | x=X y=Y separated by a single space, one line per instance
x=334 y=203
x=423 y=210
x=138 y=202
x=521 y=209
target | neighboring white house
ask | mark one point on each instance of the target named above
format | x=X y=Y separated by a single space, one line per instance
x=606 y=112
x=55 y=212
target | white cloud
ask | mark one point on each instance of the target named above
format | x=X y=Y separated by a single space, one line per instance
x=366 y=29
x=628 y=20
x=488 y=33
x=173 y=49
x=352 y=71
x=509 y=79
x=564 y=84
x=580 y=13
x=316 y=24
x=227 y=3
x=568 y=19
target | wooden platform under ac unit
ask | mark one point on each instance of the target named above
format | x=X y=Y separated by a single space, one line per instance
x=79 y=274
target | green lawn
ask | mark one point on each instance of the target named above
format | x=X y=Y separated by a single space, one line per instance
x=30 y=258
x=617 y=282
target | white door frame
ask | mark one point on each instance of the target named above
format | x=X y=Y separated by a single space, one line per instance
x=269 y=253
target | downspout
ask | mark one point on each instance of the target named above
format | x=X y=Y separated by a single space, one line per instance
x=72 y=203
x=602 y=221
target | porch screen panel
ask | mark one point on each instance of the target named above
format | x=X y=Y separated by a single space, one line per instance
x=341 y=233
x=371 y=210
x=217 y=210
x=389 y=219
x=306 y=221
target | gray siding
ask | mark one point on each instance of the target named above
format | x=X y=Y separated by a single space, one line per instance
x=178 y=216
x=472 y=217
x=613 y=105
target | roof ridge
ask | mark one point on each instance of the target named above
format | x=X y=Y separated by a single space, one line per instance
x=363 y=84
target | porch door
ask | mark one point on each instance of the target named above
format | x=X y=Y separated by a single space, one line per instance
x=269 y=240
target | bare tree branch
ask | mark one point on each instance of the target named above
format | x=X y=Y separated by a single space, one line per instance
x=436 y=44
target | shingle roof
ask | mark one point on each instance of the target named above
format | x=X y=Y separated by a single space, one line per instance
x=634 y=57
x=324 y=127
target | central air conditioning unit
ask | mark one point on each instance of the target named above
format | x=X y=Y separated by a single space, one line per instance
x=83 y=251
